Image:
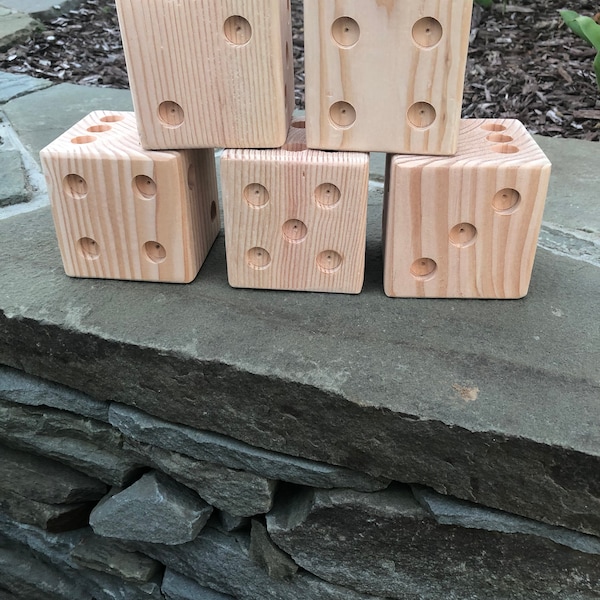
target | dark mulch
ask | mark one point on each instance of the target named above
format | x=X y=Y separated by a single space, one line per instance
x=523 y=62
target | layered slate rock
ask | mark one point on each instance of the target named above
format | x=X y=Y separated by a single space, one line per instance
x=222 y=562
x=240 y=493
x=179 y=587
x=267 y=555
x=154 y=509
x=85 y=444
x=219 y=449
x=21 y=388
x=386 y=543
x=492 y=402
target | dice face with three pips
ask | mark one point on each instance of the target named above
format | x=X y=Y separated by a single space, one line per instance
x=385 y=75
x=466 y=226
x=295 y=219
x=121 y=212
x=209 y=74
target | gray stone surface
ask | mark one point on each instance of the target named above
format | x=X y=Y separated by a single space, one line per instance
x=267 y=555
x=493 y=402
x=240 y=493
x=15 y=27
x=386 y=543
x=222 y=450
x=13 y=85
x=229 y=522
x=22 y=388
x=53 y=517
x=40 y=118
x=179 y=587
x=84 y=444
x=154 y=509
x=42 y=9
x=449 y=511
x=107 y=556
x=222 y=562
x=14 y=183
x=39 y=478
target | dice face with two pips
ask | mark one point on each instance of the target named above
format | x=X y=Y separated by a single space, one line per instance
x=466 y=226
x=121 y=212
x=209 y=73
x=295 y=219
x=385 y=75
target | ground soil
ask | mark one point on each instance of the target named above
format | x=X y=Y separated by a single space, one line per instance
x=523 y=62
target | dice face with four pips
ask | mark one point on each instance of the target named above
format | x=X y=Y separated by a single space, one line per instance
x=209 y=74
x=122 y=212
x=466 y=226
x=295 y=219
x=385 y=75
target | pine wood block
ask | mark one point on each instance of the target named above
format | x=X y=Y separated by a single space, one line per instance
x=385 y=75
x=295 y=219
x=209 y=73
x=122 y=212
x=466 y=226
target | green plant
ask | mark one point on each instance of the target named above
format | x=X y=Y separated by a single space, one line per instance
x=587 y=29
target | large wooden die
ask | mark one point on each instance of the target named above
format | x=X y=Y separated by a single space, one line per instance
x=466 y=226
x=122 y=212
x=209 y=73
x=295 y=219
x=385 y=76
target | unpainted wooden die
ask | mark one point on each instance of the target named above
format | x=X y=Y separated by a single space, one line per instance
x=122 y=212
x=466 y=226
x=385 y=75
x=295 y=219
x=209 y=73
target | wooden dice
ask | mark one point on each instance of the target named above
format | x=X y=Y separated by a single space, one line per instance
x=385 y=76
x=295 y=219
x=122 y=212
x=209 y=73
x=466 y=226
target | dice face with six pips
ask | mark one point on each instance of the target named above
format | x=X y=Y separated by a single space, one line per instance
x=209 y=74
x=466 y=226
x=122 y=212
x=385 y=76
x=295 y=219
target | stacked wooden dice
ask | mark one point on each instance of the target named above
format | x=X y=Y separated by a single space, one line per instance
x=135 y=197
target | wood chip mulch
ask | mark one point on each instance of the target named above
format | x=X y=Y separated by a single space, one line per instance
x=523 y=62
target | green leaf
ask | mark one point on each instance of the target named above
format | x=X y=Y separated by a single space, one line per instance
x=591 y=30
x=597 y=69
x=485 y=3
x=570 y=17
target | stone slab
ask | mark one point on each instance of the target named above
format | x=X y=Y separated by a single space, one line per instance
x=42 y=9
x=154 y=509
x=179 y=587
x=83 y=444
x=39 y=118
x=267 y=555
x=494 y=401
x=385 y=543
x=14 y=182
x=221 y=450
x=14 y=85
x=21 y=388
x=44 y=480
x=15 y=27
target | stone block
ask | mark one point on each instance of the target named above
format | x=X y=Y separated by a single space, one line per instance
x=385 y=76
x=44 y=480
x=222 y=450
x=154 y=509
x=211 y=73
x=124 y=213
x=267 y=555
x=240 y=493
x=229 y=522
x=295 y=219
x=84 y=444
x=386 y=543
x=466 y=226
x=179 y=587
x=14 y=181
x=13 y=85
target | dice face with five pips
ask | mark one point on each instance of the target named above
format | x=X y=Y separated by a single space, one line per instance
x=206 y=73
x=466 y=226
x=385 y=75
x=121 y=212
x=295 y=219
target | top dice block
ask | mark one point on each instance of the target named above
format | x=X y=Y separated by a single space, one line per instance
x=385 y=75
x=209 y=73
